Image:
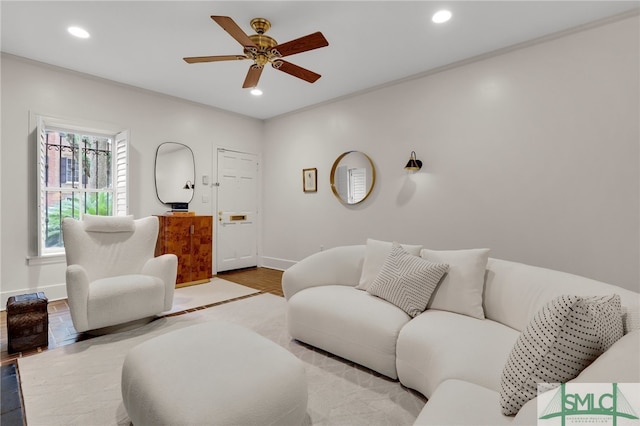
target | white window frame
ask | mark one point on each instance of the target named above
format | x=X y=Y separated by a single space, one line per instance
x=119 y=173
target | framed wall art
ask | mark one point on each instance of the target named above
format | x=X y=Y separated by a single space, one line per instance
x=310 y=180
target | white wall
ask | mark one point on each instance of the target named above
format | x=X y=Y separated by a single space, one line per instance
x=29 y=87
x=532 y=153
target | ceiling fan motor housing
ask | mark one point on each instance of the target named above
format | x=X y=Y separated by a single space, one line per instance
x=260 y=25
x=265 y=52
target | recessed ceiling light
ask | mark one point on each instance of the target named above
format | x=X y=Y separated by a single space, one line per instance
x=256 y=92
x=78 y=32
x=441 y=16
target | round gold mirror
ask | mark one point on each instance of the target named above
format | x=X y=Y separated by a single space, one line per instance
x=352 y=177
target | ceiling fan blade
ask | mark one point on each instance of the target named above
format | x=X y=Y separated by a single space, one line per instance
x=302 y=44
x=197 y=59
x=251 y=80
x=296 y=71
x=230 y=26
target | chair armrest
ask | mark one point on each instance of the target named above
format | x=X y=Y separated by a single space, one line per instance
x=164 y=267
x=335 y=266
x=78 y=296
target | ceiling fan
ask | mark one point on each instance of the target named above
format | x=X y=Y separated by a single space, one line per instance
x=262 y=49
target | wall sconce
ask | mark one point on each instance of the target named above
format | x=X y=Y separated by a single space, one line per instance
x=413 y=165
x=188 y=185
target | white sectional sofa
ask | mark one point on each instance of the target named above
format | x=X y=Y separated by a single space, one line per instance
x=454 y=359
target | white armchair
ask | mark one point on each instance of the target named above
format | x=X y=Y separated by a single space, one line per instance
x=112 y=276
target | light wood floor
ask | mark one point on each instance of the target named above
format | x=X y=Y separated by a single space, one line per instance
x=61 y=331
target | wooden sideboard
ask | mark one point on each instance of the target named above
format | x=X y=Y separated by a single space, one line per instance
x=190 y=238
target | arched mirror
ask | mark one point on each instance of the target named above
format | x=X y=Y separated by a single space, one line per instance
x=352 y=177
x=175 y=174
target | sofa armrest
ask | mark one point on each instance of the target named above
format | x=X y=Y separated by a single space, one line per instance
x=619 y=364
x=335 y=266
x=164 y=267
x=77 y=282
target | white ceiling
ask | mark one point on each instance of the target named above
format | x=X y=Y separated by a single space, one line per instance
x=371 y=43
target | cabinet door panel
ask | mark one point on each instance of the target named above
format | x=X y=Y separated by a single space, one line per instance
x=177 y=241
x=201 y=247
x=190 y=239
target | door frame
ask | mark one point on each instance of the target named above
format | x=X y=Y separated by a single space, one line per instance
x=214 y=185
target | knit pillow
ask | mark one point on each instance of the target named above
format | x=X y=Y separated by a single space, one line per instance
x=407 y=281
x=563 y=338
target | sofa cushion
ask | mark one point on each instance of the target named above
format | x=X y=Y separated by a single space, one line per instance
x=349 y=323
x=457 y=402
x=127 y=297
x=375 y=254
x=461 y=289
x=562 y=339
x=407 y=281
x=440 y=345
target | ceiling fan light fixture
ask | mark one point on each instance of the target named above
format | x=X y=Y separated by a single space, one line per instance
x=441 y=16
x=78 y=32
x=256 y=92
x=262 y=49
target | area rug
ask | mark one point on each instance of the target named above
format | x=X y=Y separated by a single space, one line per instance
x=215 y=291
x=79 y=384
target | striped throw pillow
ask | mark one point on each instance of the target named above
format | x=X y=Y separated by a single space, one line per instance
x=563 y=338
x=407 y=281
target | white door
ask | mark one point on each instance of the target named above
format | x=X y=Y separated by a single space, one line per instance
x=236 y=230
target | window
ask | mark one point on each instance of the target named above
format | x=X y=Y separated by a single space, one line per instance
x=81 y=171
x=351 y=183
x=357 y=184
x=68 y=170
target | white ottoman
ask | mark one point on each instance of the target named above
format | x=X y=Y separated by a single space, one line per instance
x=213 y=373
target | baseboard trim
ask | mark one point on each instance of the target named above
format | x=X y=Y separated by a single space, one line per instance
x=53 y=292
x=275 y=263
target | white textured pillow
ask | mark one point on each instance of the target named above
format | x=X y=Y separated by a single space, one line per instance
x=461 y=289
x=375 y=255
x=563 y=338
x=108 y=223
x=407 y=280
